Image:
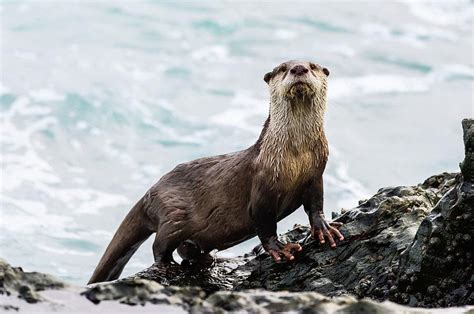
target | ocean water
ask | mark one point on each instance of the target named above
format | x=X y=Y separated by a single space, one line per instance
x=99 y=99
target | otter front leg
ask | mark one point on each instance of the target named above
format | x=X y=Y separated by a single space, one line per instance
x=262 y=212
x=313 y=205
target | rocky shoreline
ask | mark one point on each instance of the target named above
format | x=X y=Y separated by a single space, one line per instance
x=407 y=248
x=31 y=292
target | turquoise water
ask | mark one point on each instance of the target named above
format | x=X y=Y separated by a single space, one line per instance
x=98 y=100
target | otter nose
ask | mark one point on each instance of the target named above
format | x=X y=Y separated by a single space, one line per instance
x=299 y=70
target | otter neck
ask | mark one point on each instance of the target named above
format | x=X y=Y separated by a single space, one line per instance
x=294 y=141
x=297 y=121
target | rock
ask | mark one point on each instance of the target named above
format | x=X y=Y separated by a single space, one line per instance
x=133 y=292
x=14 y=281
x=467 y=166
x=150 y=297
x=409 y=244
x=34 y=292
x=440 y=256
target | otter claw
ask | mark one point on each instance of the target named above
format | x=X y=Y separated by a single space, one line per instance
x=320 y=229
x=286 y=251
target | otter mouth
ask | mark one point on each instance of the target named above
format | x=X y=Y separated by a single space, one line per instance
x=300 y=89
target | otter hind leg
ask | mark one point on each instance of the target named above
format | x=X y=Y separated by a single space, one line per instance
x=166 y=242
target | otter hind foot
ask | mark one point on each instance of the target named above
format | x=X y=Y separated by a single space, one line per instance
x=277 y=250
x=191 y=253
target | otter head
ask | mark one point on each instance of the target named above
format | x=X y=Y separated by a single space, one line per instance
x=297 y=82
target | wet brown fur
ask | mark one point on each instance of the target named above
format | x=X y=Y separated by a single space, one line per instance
x=216 y=202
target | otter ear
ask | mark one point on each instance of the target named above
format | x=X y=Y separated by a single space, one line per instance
x=267 y=77
x=326 y=71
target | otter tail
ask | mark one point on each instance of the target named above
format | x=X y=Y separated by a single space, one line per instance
x=132 y=232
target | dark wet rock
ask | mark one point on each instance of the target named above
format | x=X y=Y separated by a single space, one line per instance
x=440 y=257
x=150 y=297
x=217 y=274
x=411 y=245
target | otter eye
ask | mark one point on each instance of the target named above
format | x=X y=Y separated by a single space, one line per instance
x=283 y=68
x=312 y=66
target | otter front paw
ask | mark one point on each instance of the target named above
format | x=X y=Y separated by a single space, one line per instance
x=320 y=229
x=277 y=250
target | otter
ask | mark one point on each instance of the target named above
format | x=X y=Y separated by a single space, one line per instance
x=220 y=201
